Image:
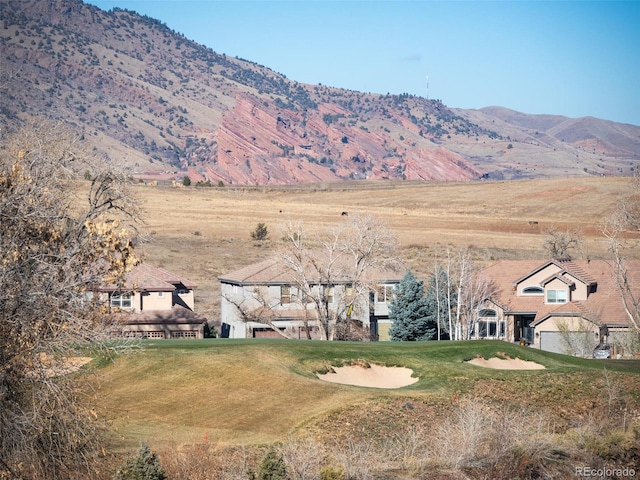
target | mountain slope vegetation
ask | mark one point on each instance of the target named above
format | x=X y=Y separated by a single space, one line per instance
x=162 y=104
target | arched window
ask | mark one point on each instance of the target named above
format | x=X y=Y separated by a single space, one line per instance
x=533 y=291
x=487 y=312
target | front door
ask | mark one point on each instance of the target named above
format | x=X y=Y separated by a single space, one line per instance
x=523 y=330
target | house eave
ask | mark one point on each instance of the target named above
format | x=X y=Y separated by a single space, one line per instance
x=562 y=315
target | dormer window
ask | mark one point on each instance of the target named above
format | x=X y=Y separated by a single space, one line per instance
x=556 y=296
x=532 y=291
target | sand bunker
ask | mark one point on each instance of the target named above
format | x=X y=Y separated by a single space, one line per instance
x=506 y=364
x=376 y=376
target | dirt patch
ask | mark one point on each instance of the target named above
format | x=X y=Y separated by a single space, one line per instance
x=506 y=364
x=376 y=376
x=70 y=364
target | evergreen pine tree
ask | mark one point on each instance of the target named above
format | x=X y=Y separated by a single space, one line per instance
x=408 y=311
x=272 y=467
x=143 y=467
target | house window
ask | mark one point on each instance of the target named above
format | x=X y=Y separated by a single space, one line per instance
x=488 y=312
x=120 y=300
x=183 y=334
x=532 y=291
x=349 y=291
x=491 y=329
x=556 y=296
x=305 y=297
x=482 y=329
x=161 y=294
x=385 y=293
x=329 y=293
x=285 y=294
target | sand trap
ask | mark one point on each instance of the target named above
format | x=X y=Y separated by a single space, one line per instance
x=376 y=376
x=506 y=364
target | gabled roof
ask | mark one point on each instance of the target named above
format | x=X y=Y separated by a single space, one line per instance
x=603 y=304
x=558 y=276
x=144 y=277
x=566 y=266
x=570 y=309
x=274 y=272
x=573 y=268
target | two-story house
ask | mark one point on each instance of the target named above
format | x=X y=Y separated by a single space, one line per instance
x=563 y=306
x=262 y=297
x=154 y=303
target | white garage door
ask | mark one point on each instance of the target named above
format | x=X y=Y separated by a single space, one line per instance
x=552 y=342
x=568 y=343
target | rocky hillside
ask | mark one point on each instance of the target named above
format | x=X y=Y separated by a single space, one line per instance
x=168 y=107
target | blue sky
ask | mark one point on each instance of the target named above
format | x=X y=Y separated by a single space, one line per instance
x=577 y=58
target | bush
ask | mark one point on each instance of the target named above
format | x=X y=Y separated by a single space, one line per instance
x=143 y=467
x=260 y=233
x=331 y=473
x=272 y=467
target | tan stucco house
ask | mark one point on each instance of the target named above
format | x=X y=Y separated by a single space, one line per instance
x=263 y=295
x=154 y=303
x=563 y=306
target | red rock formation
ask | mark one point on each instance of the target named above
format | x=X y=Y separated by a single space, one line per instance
x=259 y=144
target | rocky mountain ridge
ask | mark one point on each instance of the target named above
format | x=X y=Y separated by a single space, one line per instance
x=167 y=106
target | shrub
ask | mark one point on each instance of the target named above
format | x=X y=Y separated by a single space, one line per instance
x=272 y=467
x=331 y=473
x=260 y=233
x=143 y=467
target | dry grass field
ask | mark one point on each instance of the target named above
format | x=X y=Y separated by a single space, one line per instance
x=197 y=402
x=198 y=397
x=202 y=232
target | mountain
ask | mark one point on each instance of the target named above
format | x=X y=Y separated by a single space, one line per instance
x=168 y=107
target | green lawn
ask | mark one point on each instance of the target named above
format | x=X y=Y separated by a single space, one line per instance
x=258 y=391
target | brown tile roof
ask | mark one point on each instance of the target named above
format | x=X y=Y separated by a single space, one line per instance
x=565 y=265
x=273 y=272
x=144 y=277
x=177 y=315
x=604 y=304
x=269 y=271
x=558 y=276
x=573 y=268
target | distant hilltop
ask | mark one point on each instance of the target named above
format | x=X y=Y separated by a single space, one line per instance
x=142 y=93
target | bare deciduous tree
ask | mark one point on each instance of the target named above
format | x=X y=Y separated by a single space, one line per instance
x=264 y=312
x=577 y=337
x=53 y=252
x=464 y=292
x=476 y=290
x=621 y=231
x=342 y=258
x=560 y=244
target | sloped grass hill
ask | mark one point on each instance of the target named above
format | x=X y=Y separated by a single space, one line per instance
x=248 y=392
